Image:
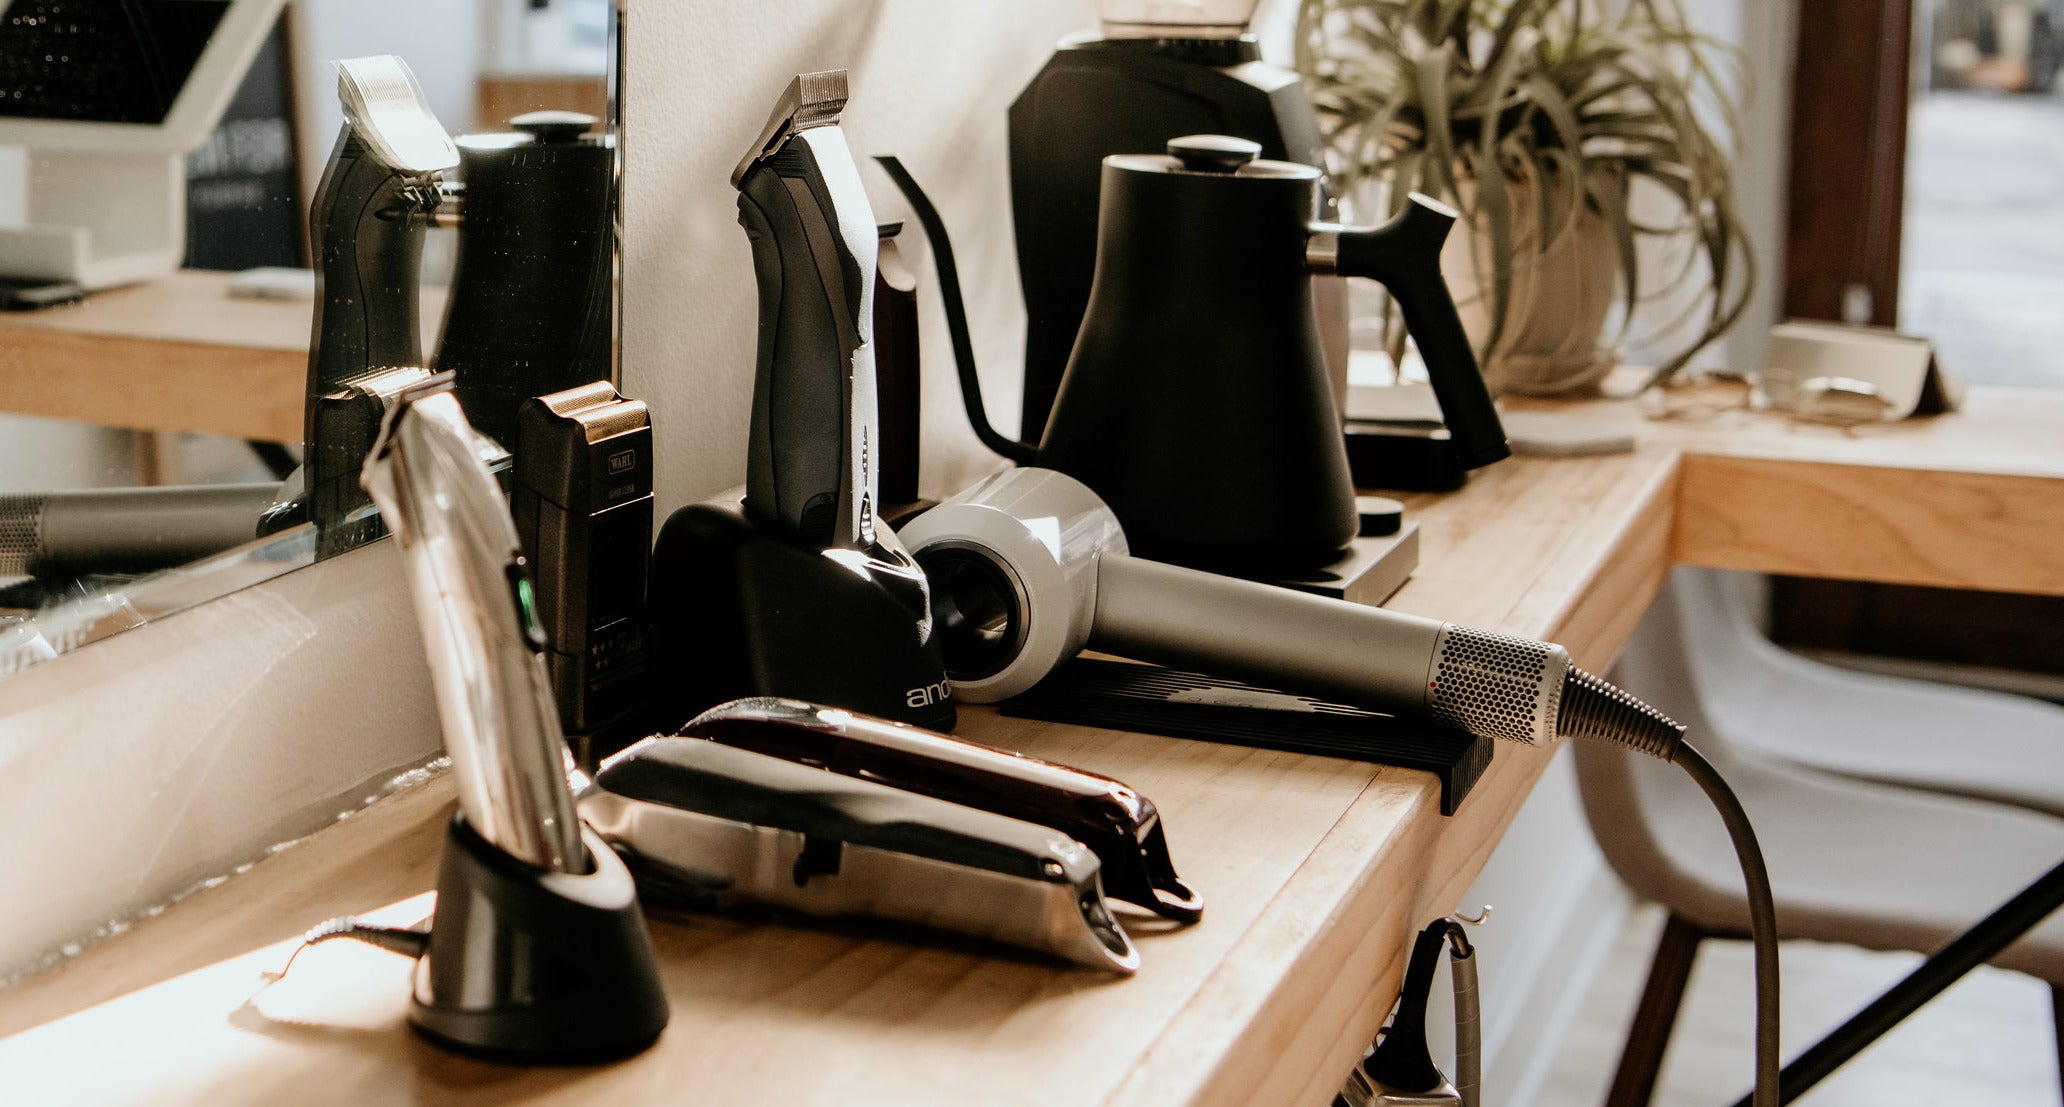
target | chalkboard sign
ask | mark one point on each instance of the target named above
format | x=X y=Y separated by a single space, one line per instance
x=243 y=206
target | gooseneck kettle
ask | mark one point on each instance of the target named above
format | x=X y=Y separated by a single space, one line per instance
x=1196 y=401
x=1153 y=70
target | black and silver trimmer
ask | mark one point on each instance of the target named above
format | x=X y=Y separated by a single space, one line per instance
x=799 y=591
x=1119 y=824
x=383 y=182
x=538 y=950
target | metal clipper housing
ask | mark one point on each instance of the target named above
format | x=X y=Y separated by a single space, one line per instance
x=1121 y=826
x=704 y=824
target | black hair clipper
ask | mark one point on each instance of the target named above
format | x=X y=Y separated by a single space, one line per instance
x=706 y=825
x=383 y=180
x=1398 y=1071
x=1121 y=826
x=799 y=591
x=582 y=500
x=344 y=422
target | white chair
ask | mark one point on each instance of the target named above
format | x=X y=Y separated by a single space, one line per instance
x=1872 y=865
x=1935 y=737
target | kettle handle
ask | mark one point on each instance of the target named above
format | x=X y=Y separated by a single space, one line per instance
x=1404 y=256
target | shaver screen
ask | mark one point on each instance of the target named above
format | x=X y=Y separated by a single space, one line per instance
x=113 y=61
x=616 y=582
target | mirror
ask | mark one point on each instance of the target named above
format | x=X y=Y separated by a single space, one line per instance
x=159 y=160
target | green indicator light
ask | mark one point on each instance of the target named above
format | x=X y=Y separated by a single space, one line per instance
x=526 y=606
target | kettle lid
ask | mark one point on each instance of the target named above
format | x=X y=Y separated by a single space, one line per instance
x=1213 y=156
x=538 y=128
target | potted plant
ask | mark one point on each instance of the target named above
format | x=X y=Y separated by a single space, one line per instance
x=1574 y=136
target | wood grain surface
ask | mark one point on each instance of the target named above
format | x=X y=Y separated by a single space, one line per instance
x=1316 y=871
x=176 y=354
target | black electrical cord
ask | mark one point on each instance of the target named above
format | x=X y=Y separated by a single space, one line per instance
x=1762 y=916
x=1595 y=709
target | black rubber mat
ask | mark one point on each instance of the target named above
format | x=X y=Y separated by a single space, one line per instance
x=1152 y=700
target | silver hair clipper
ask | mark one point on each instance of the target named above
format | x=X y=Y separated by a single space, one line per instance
x=479 y=623
x=538 y=950
x=707 y=825
x=1117 y=823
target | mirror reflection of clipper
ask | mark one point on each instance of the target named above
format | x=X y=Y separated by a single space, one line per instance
x=707 y=825
x=382 y=184
x=1121 y=826
x=799 y=591
x=344 y=422
x=582 y=499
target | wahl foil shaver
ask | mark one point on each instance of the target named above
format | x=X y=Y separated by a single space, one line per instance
x=709 y=825
x=537 y=950
x=1121 y=826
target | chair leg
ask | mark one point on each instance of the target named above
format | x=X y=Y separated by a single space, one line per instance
x=1642 y=1059
x=2057 y=1025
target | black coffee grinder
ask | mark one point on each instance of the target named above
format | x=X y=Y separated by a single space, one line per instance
x=1152 y=72
x=533 y=295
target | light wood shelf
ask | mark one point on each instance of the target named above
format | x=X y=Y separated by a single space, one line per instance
x=1316 y=871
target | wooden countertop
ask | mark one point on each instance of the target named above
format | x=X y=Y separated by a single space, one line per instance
x=174 y=354
x=1316 y=871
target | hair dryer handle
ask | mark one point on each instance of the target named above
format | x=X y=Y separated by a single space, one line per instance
x=1404 y=256
x=1295 y=641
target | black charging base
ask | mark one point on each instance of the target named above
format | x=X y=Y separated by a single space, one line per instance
x=1152 y=700
x=536 y=967
x=740 y=610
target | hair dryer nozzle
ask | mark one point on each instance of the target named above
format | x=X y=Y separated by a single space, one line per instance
x=1592 y=708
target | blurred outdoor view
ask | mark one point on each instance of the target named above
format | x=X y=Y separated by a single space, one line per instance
x=1982 y=262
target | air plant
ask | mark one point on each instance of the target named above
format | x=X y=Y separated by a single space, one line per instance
x=1562 y=104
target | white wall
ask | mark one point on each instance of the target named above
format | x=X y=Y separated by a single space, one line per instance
x=440 y=39
x=932 y=80
x=1763 y=30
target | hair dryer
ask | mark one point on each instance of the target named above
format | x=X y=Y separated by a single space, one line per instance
x=128 y=530
x=1030 y=567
